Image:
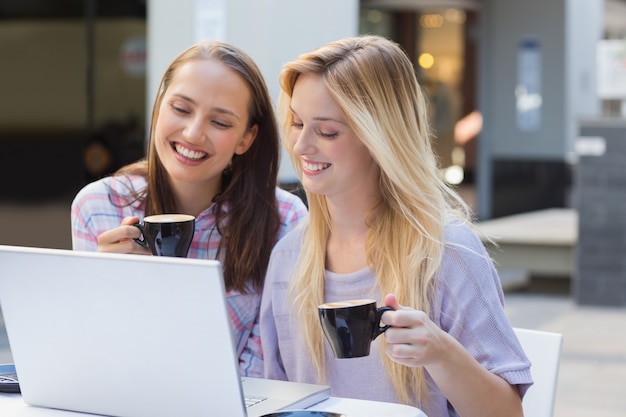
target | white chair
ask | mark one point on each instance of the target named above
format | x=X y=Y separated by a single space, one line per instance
x=544 y=351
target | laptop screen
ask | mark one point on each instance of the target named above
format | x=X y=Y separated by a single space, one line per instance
x=122 y=335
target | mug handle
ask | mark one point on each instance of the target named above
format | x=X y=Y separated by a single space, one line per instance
x=141 y=241
x=379 y=314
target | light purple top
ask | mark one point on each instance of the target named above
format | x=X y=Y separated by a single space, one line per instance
x=100 y=206
x=468 y=304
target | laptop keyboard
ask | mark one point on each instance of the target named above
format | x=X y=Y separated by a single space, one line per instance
x=8 y=378
x=250 y=401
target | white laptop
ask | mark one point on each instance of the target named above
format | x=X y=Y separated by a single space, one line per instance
x=129 y=336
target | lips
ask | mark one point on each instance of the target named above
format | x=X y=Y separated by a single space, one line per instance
x=314 y=166
x=189 y=153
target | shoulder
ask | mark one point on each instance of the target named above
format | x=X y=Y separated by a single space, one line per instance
x=291 y=210
x=92 y=191
x=288 y=201
x=110 y=188
x=291 y=242
x=467 y=278
x=121 y=184
x=285 y=254
x=466 y=263
x=460 y=237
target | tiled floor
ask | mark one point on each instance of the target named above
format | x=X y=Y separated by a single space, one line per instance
x=592 y=377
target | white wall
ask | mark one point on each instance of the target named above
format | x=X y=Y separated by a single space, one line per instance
x=273 y=32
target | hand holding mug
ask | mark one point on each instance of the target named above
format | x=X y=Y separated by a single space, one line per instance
x=121 y=239
x=414 y=339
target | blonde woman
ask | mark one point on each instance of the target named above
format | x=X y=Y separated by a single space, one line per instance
x=383 y=225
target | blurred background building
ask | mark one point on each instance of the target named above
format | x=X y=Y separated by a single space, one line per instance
x=78 y=78
x=73 y=94
x=508 y=82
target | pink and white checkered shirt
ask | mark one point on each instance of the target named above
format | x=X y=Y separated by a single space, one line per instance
x=100 y=206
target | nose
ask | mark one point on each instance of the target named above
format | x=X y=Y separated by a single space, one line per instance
x=303 y=142
x=195 y=130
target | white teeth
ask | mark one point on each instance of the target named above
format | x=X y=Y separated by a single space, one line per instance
x=188 y=153
x=314 y=167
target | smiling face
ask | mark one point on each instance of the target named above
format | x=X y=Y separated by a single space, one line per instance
x=203 y=121
x=334 y=160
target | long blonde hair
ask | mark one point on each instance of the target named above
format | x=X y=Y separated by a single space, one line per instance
x=374 y=84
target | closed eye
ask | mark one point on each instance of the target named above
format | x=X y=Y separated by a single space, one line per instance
x=327 y=135
x=179 y=109
x=221 y=125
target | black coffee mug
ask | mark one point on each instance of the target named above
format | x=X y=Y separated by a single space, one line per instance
x=351 y=326
x=167 y=234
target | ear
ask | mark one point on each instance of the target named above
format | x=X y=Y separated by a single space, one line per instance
x=247 y=140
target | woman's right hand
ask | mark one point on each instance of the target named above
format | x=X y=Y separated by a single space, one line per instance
x=120 y=239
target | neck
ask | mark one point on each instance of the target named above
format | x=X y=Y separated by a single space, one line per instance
x=345 y=250
x=348 y=212
x=348 y=219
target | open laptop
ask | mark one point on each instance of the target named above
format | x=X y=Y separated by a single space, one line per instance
x=129 y=335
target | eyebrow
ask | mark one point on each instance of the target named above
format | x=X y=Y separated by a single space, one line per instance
x=215 y=109
x=321 y=118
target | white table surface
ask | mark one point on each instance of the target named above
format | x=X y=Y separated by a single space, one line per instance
x=11 y=405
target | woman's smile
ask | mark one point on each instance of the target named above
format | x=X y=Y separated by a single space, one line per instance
x=314 y=166
x=188 y=153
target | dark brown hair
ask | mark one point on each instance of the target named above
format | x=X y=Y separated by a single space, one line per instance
x=245 y=208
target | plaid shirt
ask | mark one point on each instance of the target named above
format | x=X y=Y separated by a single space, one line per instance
x=100 y=206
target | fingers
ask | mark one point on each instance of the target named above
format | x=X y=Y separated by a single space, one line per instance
x=391 y=301
x=405 y=319
x=407 y=346
x=405 y=354
x=419 y=346
x=118 y=234
x=120 y=239
x=403 y=316
x=130 y=220
x=412 y=337
x=126 y=246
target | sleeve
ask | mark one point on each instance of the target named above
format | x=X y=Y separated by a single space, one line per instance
x=292 y=210
x=84 y=237
x=96 y=208
x=471 y=308
x=251 y=358
x=273 y=364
